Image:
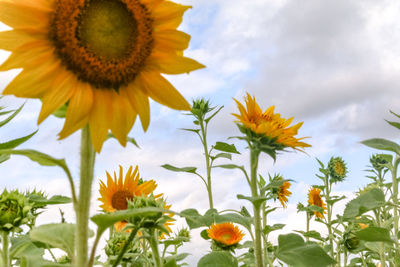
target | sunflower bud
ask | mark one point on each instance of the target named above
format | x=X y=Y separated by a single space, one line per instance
x=184 y=233
x=14 y=210
x=378 y=162
x=117 y=242
x=351 y=241
x=337 y=169
x=150 y=219
x=200 y=108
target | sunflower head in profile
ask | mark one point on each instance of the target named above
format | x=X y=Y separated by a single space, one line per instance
x=120 y=189
x=267 y=128
x=337 y=169
x=225 y=235
x=101 y=58
x=284 y=193
x=314 y=198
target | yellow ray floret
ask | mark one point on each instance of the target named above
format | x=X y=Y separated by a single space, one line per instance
x=269 y=124
x=102 y=58
x=314 y=198
x=284 y=193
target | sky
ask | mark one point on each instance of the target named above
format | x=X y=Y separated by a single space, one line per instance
x=333 y=65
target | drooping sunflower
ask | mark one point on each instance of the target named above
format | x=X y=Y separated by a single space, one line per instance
x=314 y=198
x=118 y=191
x=225 y=234
x=269 y=124
x=283 y=193
x=103 y=58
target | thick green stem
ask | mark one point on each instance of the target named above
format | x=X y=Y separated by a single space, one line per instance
x=83 y=207
x=208 y=165
x=254 y=154
x=329 y=215
x=308 y=225
x=5 y=241
x=395 y=186
x=154 y=248
x=345 y=258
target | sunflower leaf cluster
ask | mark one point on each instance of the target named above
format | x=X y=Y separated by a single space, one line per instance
x=15 y=210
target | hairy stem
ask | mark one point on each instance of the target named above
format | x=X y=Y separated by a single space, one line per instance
x=125 y=247
x=208 y=165
x=154 y=248
x=254 y=155
x=5 y=241
x=85 y=188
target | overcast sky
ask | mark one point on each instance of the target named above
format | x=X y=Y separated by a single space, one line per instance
x=332 y=64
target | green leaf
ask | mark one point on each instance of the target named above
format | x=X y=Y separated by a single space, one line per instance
x=204 y=234
x=54 y=200
x=58 y=235
x=16 y=142
x=191 y=130
x=394 y=124
x=335 y=199
x=229 y=166
x=257 y=201
x=218 y=259
x=176 y=169
x=22 y=246
x=374 y=234
x=294 y=251
x=195 y=220
x=268 y=229
x=4 y=157
x=221 y=146
x=311 y=234
x=235 y=218
x=382 y=144
x=61 y=112
x=222 y=155
x=106 y=220
x=367 y=201
x=9 y=118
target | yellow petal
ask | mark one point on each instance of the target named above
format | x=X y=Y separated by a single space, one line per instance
x=123 y=116
x=10 y=40
x=140 y=102
x=100 y=117
x=37 y=52
x=171 y=40
x=168 y=15
x=162 y=91
x=171 y=63
x=78 y=111
x=21 y=15
x=63 y=87
x=33 y=82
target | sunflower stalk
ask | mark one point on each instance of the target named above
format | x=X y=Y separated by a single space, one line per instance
x=329 y=213
x=254 y=156
x=203 y=137
x=395 y=186
x=154 y=248
x=82 y=209
x=5 y=253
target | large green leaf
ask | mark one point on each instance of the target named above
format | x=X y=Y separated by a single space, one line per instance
x=106 y=220
x=235 y=218
x=382 y=144
x=195 y=220
x=218 y=259
x=54 y=200
x=58 y=235
x=367 y=201
x=294 y=251
x=374 y=234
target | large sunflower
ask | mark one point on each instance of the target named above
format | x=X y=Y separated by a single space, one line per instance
x=103 y=58
x=226 y=234
x=269 y=124
x=116 y=193
x=314 y=198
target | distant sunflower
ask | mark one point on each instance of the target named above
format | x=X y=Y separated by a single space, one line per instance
x=283 y=193
x=118 y=191
x=226 y=234
x=314 y=198
x=269 y=124
x=103 y=58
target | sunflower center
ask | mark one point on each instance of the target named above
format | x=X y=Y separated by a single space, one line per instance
x=119 y=200
x=103 y=42
x=107 y=29
x=339 y=169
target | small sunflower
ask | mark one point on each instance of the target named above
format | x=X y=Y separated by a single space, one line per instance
x=337 y=169
x=118 y=191
x=314 y=198
x=102 y=58
x=225 y=234
x=283 y=193
x=269 y=124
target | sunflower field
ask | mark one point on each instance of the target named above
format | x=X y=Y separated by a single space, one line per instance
x=97 y=66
